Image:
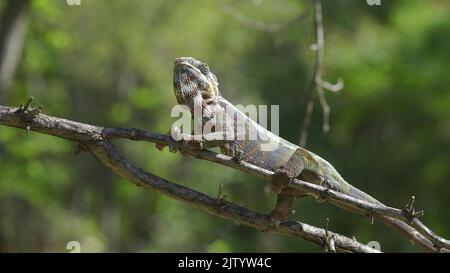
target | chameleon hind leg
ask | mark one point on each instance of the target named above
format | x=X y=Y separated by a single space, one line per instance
x=293 y=168
x=284 y=207
x=286 y=196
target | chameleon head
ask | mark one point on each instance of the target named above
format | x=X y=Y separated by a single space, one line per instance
x=192 y=78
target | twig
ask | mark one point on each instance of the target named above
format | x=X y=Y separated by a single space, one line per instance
x=329 y=239
x=317 y=84
x=92 y=138
x=259 y=25
x=306 y=120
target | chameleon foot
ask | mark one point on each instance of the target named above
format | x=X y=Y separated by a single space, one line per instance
x=232 y=150
x=181 y=142
x=280 y=180
x=274 y=223
x=283 y=208
x=175 y=134
x=275 y=219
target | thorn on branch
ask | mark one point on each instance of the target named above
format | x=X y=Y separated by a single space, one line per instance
x=28 y=113
x=28 y=103
x=370 y=216
x=160 y=146
x=80 y=148
x=221 y=196
x=329 y=244
x=411 y=212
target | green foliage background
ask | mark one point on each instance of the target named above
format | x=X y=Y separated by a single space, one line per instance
x=110 y=63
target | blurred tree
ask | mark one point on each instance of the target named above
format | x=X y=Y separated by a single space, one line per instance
x=12 y=32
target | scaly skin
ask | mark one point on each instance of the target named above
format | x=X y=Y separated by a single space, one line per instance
x=196 y=86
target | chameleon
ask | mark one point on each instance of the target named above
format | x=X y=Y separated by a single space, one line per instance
x=196 y=87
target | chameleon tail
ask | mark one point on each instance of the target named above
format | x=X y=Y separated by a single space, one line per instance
x=403 y=227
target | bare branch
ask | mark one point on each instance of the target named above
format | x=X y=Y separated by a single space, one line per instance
x=92 y=138
x=332 y=87
x=85 y=133
x=325 y=110
x=306 y=120
x=259 y=25
x=317 y=84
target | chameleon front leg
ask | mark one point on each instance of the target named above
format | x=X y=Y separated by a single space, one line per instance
x=180 y=142
x=232 y=149
x=190 y=142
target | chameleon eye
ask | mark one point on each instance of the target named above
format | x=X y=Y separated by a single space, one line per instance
x=204 y=68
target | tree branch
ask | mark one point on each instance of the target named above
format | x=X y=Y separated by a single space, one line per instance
x=86 y=134
x=94 y=139
x=317 y=84
x=426 y=238
x=260 y=25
